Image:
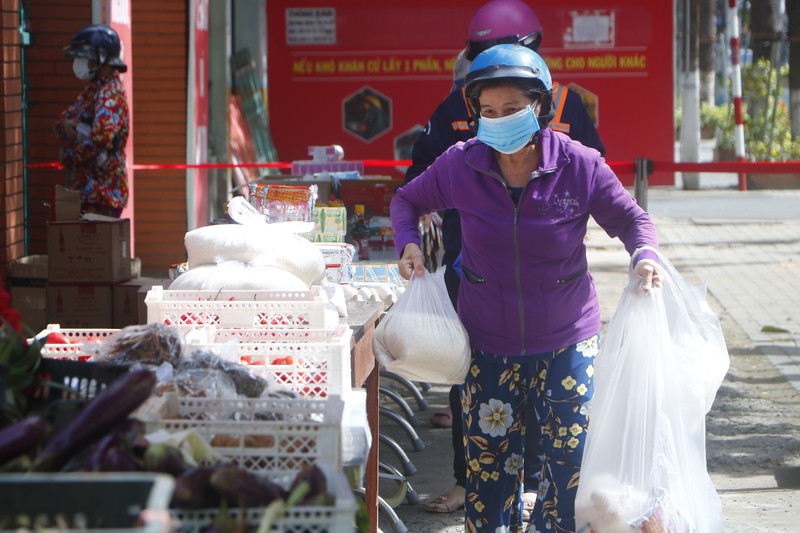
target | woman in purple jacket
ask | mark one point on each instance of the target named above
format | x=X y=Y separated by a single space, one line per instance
x=524 y=194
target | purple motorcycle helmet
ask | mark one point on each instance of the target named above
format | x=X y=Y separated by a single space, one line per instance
x=503 y=22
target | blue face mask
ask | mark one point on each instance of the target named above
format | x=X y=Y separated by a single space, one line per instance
x=511 y=133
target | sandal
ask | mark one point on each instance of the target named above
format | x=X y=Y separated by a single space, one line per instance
x=528 y=503
x=442 y=419
x=448 y=502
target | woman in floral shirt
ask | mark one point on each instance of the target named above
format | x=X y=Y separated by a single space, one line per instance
x=94 y=129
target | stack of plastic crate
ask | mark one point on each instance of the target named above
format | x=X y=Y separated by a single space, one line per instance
x=295 y=339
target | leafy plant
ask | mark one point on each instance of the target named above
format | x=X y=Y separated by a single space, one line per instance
x=713 y=118
x=18 y=362
x=767 y=123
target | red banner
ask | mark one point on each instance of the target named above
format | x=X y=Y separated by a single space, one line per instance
x=197 y=152
x=367 y=75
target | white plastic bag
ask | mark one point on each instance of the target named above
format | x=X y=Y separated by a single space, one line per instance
x=421 y=337
x=656 y=376
x=266 y=244
x=236 y=275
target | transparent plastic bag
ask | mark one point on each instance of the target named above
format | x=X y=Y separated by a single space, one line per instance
x=148 y=344
x=421 y=337
x=656 y=376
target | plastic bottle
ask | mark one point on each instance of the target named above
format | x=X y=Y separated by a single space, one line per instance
x=361 y=233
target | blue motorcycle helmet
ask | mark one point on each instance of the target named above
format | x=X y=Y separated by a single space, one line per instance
x=98 y=43
x=510 y=62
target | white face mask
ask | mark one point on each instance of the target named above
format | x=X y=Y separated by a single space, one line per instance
x=80 y=67
x=511 y=133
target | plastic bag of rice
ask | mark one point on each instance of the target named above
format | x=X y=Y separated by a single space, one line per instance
x=421 y=337
x=268 y=244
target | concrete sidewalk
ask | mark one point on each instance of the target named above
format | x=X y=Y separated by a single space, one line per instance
x=746 y=247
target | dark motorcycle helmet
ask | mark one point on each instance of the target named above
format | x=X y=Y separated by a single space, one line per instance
x=98 y=43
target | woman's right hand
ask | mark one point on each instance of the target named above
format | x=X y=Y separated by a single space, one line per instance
x=412 y=261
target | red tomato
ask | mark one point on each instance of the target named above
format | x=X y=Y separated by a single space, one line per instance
x=57 y=338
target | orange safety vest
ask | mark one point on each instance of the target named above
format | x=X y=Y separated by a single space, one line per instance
x=462 y=125
x=559 y=99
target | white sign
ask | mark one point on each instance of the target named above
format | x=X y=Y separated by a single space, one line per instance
x=121 y=12
x=310 y=25
x=590 y=29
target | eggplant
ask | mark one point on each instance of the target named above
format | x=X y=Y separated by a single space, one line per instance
x=242 y=488
x=164 y=458
x=22 y=436
x=94 y=459
x=193 y=490
x=317 y=485
x=103 y=412
x=132 y=431
x=120 y=459
x=112 y=454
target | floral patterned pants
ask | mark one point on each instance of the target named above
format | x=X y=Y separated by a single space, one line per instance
x=499 y=392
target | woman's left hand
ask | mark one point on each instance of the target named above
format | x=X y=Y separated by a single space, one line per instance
x=651 y=278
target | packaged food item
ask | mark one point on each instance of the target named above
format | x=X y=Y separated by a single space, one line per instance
x=284 y=203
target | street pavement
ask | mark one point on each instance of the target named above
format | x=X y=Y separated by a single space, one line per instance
x=746 y=247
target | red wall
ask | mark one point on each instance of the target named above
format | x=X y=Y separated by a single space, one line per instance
x=402 y=51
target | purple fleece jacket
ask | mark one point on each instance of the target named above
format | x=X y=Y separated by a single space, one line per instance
x=525 y=288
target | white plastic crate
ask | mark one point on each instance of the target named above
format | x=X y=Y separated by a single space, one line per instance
x=316 y=366
x=217 y=334
x=301 y=519
x=314 y=363
x=277 y=437
x=81 y=342
x=240 y=308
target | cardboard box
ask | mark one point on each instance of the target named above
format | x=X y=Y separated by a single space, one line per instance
x=89 y=251
x=375 y=194
x=65 y=204
x=129 y=308
x=29 y=267
x=80 y=305
x=330 y=220
x=27 y=281
x=324 y=237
